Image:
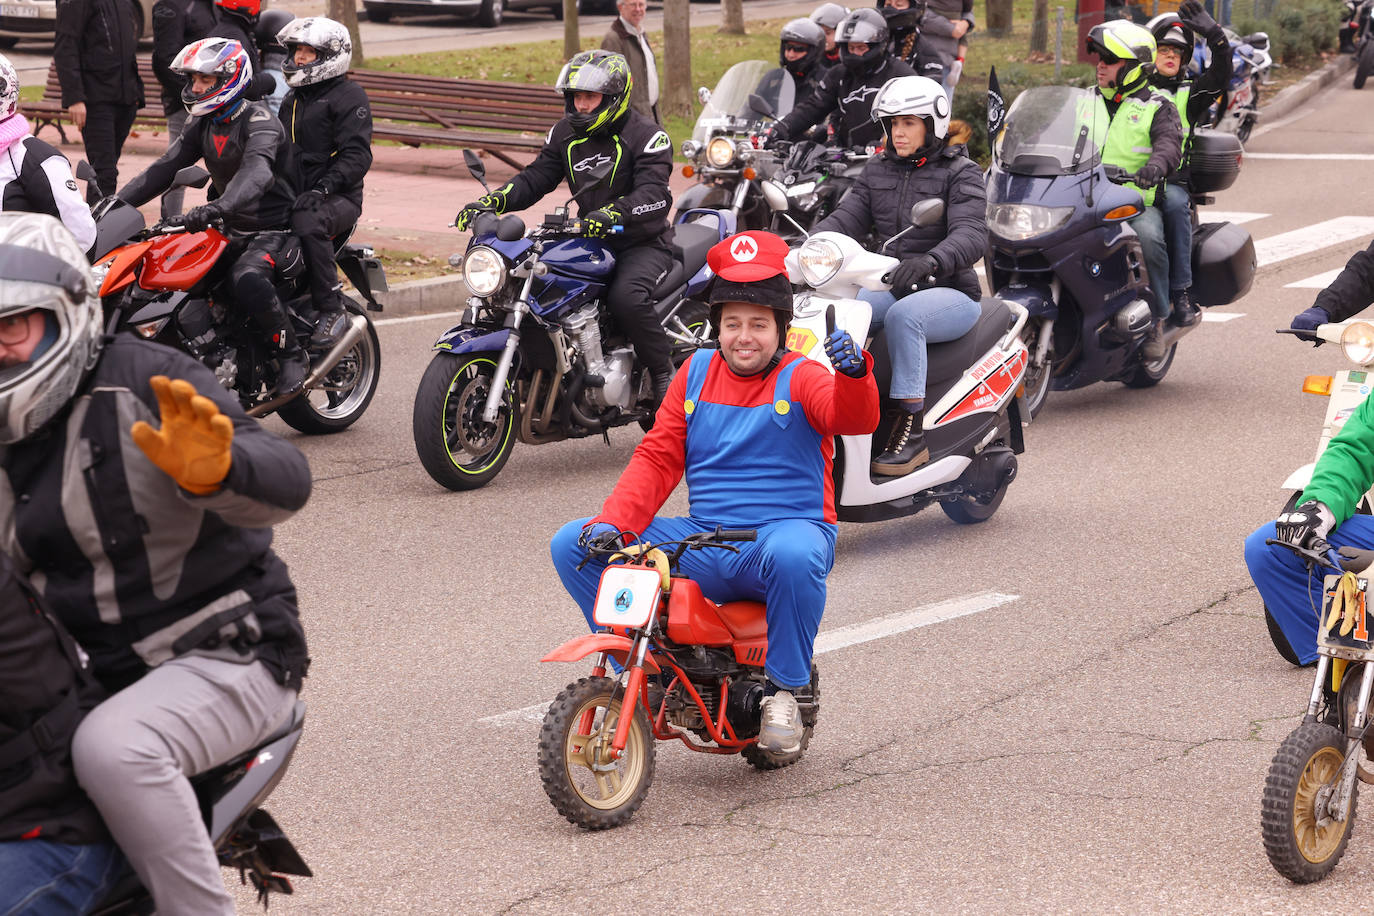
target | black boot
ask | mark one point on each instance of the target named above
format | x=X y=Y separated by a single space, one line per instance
x=329 y=327
x=1185 y=313
x=292 y=363
x=659 y=380
x=906 y=446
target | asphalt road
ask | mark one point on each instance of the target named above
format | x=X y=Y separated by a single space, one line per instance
x=1099 y=744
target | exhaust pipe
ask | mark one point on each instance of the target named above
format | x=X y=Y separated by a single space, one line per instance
x=357 y=326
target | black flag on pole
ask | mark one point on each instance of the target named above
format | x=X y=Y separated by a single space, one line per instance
x=997 y=108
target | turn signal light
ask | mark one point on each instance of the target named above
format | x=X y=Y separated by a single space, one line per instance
x=1125 y=211
x=750 y=174
x=688 y=171
x=1317 y=384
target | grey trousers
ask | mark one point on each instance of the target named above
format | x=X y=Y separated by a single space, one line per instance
x=172 y=200
x=134 y=755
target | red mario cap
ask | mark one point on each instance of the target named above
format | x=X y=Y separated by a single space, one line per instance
x=747 y=257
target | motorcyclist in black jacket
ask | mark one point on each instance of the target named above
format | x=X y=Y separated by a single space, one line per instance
x=328 y=120
x=601 y=132
x=1349 y=294
x=801 y=52
x=848 y=90
x=934 y=294
x=251 y=167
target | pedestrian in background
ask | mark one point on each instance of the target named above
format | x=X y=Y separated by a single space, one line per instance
x=626 y=37
x=176 y=23
x=101 y=90
x=941 y=49
x=1224 y=16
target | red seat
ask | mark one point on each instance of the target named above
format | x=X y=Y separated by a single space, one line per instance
x=695 y=620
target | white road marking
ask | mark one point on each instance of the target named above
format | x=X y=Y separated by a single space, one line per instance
x=840 y=638
x=1320 y=281
x=433 y=317
x=1209 y=315
x=1312 y=238
x=1208 y=215
x=1330 y=157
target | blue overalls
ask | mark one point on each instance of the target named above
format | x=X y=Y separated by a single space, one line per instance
x=746 y=467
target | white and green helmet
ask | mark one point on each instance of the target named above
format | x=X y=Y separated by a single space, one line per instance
x=1122 y=39
x=596 y=71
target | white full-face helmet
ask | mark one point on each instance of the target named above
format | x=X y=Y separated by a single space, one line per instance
x=46 y=289
x=333 y=49
x=9 y=88
x=918 y=96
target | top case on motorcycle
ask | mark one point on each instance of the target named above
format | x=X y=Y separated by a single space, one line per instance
x=946 y=362
x=1213 y=161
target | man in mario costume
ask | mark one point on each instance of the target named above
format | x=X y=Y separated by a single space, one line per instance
x=750 y=424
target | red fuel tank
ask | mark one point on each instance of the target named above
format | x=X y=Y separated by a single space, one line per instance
x=180 y=261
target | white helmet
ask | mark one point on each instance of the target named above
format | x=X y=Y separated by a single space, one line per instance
x=221 y=58
x=333 y=47
x=43 y=269
x=918 y=96
x=9 y=88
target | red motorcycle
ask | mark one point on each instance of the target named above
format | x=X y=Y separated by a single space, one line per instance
x=166 y=284
x=596 y=747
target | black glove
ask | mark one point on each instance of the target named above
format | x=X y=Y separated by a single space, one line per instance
x=912 y=274
x=198 y=219
x=1149 y=176
x=1304 y=524
x=1192 y=14
x=312 y=198
x=844 y=356
x=495 y=202
x=1309 y=320
x=778 y=133
x=600 y=222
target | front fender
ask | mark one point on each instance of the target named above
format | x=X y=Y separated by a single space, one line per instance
x=1299 y=479
x=466 y=339
x=615 y=645
x=1036 y=299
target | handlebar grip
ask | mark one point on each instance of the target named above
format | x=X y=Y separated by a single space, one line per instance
x=736 y=534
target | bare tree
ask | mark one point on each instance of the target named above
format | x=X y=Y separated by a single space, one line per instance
x=1040 y=27
x=346 y=11
x=572 y=41
x=999 y=17
x=676 y=98
x=732 y=17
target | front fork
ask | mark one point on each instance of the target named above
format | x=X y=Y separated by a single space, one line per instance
x=498 y=378
x=1339 y=795
x=634 y=682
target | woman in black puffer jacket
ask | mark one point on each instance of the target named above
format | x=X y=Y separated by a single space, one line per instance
x=935 y=292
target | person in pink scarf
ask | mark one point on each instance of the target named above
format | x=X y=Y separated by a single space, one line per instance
x=34 y=176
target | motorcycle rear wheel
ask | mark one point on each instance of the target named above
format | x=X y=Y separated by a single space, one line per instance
x=760 y=759
x=588 y=798
x=346 y=391
x=1147 y=374
x=1299 y=847
x=455 y=446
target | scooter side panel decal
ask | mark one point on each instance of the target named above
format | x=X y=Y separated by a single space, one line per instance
x=991 y=390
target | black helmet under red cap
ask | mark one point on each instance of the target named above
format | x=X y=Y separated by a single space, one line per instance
x=749 y=267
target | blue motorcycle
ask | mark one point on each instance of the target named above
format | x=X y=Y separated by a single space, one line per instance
x=1061 y=244
x=535 y=357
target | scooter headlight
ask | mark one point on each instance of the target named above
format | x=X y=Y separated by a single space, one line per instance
x=720 y=152
x=1016 y=222
x=1357 y=342
x=820 y=259
x=484 y=270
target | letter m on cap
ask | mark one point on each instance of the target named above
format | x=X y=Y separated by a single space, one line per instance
x=744 y=249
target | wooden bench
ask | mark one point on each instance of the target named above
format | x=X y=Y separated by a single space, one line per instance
x=406 y=107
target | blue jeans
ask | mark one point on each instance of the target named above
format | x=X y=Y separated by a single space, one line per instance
x=785 y=568
x=1178 y=235
x=1150 y=227
x=1293 y=597
x=937 y=315
x=46 y=878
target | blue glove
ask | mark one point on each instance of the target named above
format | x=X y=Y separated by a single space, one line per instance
x=844 y=356
x=1309 y=320
x=601 y=535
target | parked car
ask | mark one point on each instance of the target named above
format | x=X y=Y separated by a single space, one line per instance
x=20 y=19
x=488 y=13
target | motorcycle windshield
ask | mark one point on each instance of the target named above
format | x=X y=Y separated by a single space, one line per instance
x=729 y=110
x=1053 y=130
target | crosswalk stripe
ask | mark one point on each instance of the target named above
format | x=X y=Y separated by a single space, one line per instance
x=1239 y=217
x=1312 y=238
x=1218 y=317
x=1320 y=281
x=1328 y=157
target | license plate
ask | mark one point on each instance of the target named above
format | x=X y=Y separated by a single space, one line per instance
x=627 y=596
x=1346 y=631
x=18 y=11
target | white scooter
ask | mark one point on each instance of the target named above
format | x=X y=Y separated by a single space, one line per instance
x=973 y=418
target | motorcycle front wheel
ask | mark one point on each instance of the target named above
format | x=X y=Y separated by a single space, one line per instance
x=456 y=446
x=344 y=393
x=585 y=784
x=1302 y=842
x=1364 y=64
x=1037 y=379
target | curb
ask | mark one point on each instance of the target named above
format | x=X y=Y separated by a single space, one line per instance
x=1290 y=98
x=423 y=297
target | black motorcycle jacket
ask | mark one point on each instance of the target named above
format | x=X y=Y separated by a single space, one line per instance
x=93 y=48
x=249 y=161
x=850 y=97
x=1201 y=93
x=46 y=687
x=177 y=23
x=330 y=126
x=137 y=569
x=881 y=199
x=640 y=157
x=1353 y=289
x=802 y=85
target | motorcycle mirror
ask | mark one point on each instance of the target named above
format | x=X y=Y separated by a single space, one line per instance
x=759 y=105
x=774 y=195
x=927 y=212
x=704 y=95
x=476 y=168
x=511 y=228
x=595 y=178
x=193 y=176
x=84 y=171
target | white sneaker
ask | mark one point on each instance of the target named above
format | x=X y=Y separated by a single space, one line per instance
x=780 y=728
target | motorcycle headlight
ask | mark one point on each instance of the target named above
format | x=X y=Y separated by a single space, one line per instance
x=820 y=260
x=1357 y=342
x=1025 y=221
x=690 y=148
x=484 y=270
x=720 y=152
